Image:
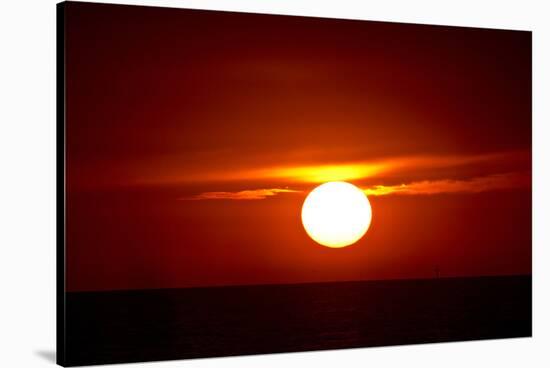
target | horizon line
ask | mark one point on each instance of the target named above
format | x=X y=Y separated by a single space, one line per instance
x=300 y=283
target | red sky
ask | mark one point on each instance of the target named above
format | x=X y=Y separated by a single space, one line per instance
x=193 y=138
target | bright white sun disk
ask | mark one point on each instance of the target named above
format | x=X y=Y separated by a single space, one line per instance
x=336 y=214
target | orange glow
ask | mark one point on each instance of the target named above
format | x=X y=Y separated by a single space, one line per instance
x=338 y=171
x=324 y=173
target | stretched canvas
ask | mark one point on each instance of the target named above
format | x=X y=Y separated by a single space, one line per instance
x=235 y=183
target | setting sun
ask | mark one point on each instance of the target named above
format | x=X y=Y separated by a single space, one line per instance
x=336 y=214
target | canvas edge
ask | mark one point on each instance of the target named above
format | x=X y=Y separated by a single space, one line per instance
x=60 y=185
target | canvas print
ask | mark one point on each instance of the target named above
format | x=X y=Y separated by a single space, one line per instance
x=234 y=183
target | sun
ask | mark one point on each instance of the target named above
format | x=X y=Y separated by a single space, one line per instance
x=336 y=214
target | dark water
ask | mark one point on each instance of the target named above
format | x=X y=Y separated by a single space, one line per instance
x=129 y=326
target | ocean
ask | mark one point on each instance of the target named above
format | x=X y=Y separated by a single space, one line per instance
x=149 y=325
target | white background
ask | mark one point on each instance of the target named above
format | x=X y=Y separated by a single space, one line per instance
x=27 y=182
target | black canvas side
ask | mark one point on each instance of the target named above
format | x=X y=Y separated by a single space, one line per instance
x=60 y=183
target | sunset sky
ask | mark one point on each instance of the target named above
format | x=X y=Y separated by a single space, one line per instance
x=193 y=138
